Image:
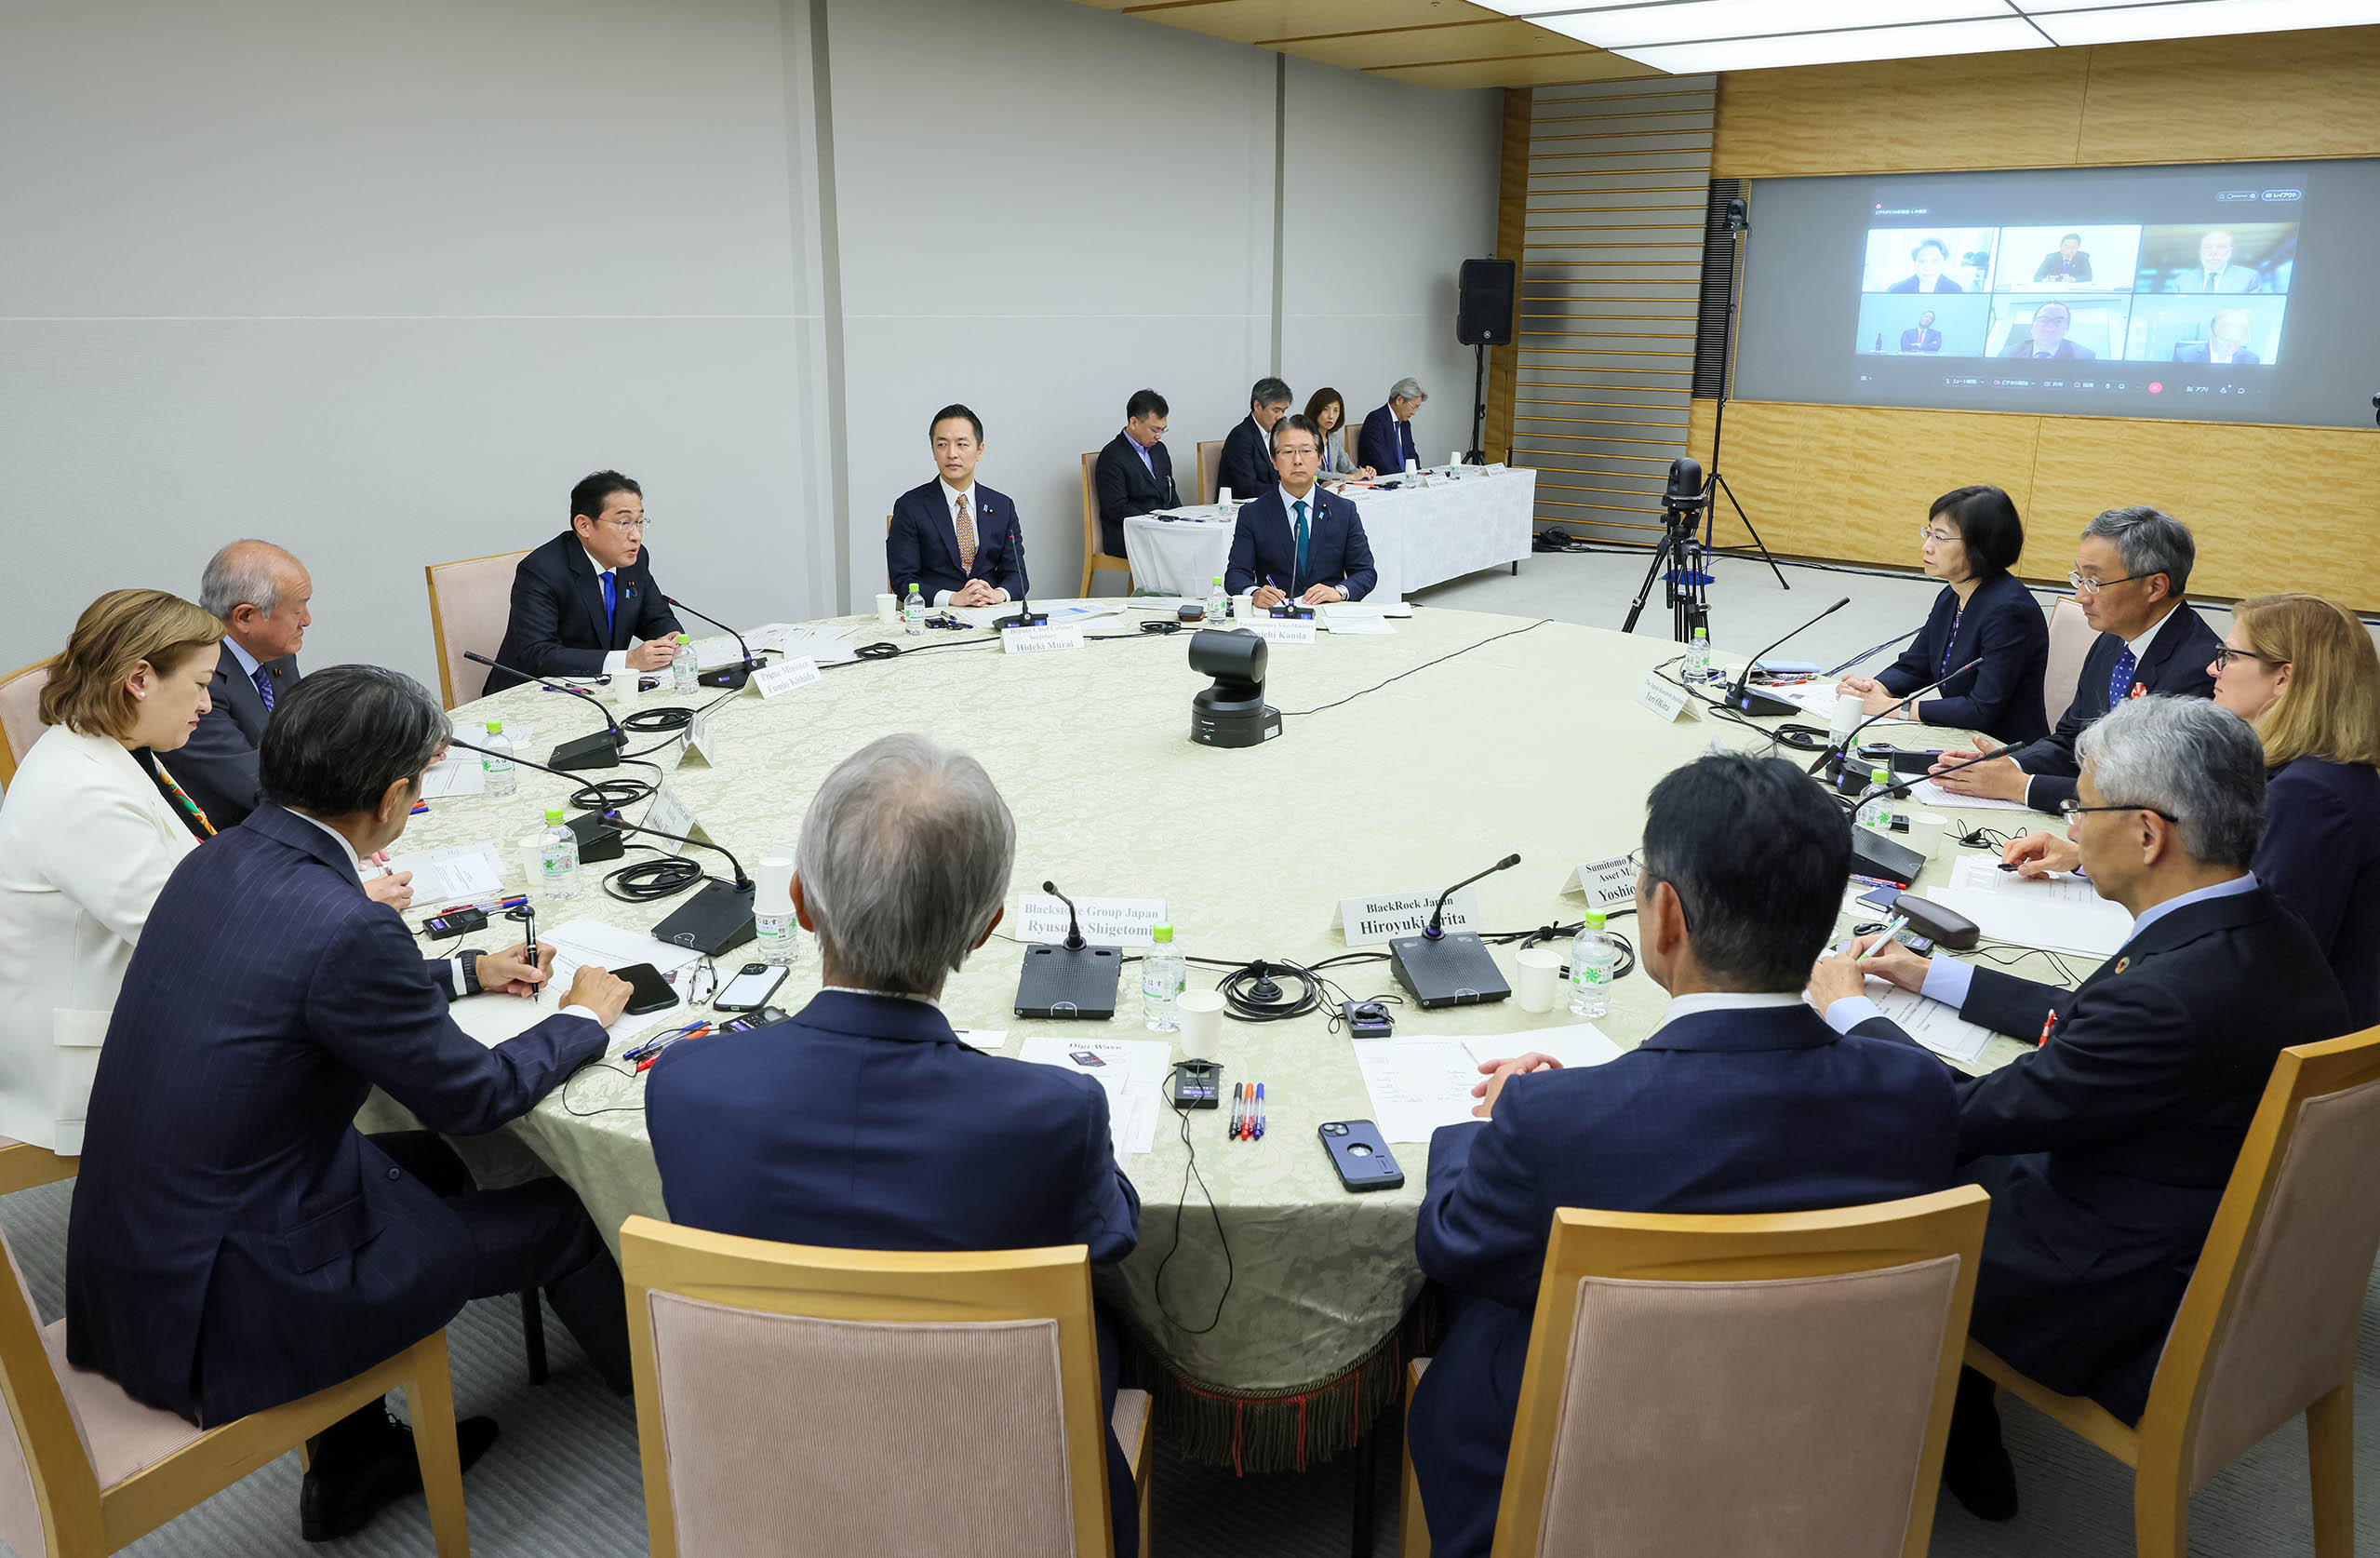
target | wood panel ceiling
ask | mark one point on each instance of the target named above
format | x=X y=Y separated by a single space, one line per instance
x=1432 y=43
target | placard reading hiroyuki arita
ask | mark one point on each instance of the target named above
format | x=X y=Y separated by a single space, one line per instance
x=1371 y=922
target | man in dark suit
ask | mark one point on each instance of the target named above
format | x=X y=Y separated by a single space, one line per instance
x=2215 y=270
x=864 y=1122
x=2070 y=264
x=957 y=540
x=262 y=594
x=1247 y=469
x=235 y=1243
x=1924 y=338
x=1387 y=439
x=1743 y=1101
x=1135 y=472
x=2130 y=567
x=2045 y=340
x=2108 y=1147
x=1930 y=258
x=1298 y=543
x=581 y=600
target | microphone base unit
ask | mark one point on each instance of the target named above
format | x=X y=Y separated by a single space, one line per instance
x=1875 y=855
x=1747 y=700
x=731 y=678
x=717 y=919
x=1069 y=982
x=599 y=751
x=598 y=840
x=1451 y=970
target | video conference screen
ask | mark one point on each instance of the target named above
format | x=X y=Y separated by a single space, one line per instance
x=2229 y=292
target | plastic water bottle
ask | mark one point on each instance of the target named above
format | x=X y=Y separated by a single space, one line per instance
x=1218 y=603
x=684 y=666
x=1593 y=957
x=913 y=611
x=561 y=856
x=1698 y=656
x=1164 y=974
x=773 y=924
x=496 y=763
x=1875 y=806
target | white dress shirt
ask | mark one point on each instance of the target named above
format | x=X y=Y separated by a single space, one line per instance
x=249 y=665
x=614 y=661
x=1724 y=1000
x=975 y=515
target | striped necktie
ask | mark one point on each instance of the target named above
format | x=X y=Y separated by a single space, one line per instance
x=263 y=679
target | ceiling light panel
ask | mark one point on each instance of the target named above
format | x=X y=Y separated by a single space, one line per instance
x=2072 y=25
x=1827 y=49
x=1636 y=26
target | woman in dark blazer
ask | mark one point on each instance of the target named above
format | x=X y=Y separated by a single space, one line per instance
x=1973 y=537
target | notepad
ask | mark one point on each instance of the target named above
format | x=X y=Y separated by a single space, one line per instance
x=1418 y=1084
x=457 y=875
x=492 y=1020
x=2060 y=913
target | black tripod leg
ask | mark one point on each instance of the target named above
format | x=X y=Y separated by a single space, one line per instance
x=1760 y=545
x=1637 y=609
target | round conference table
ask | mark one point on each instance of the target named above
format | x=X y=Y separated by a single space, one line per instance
x=1529 y=738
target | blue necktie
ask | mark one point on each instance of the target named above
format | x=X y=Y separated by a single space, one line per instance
x=610 y=612
x=1300 y=575
x=263 y=679
x=2121 y=681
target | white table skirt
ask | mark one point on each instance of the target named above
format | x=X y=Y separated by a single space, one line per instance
x=1420 y=536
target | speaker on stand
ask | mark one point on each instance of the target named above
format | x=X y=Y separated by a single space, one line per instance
x=1483 y=317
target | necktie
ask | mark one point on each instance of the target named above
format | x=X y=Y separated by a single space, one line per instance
x=2211 y=276
x=263 y=679
x=965 y=536
x=611 y=608
x=2042 y=356
x=1300 y=575
x=2121 y=681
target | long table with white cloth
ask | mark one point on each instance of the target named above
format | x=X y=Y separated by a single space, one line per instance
x=1466 y=519
x=1486 y=741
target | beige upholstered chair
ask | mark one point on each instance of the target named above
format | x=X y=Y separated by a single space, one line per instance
x=1095 y=560
x=1210 y=469
x=2071 y=636
x=873 y=1401
x=21 y=723
x=1824 y=1350
x=2266 y=1329
x=471 y=603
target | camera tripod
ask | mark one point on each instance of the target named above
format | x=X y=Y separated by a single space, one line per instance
x=1682 y=552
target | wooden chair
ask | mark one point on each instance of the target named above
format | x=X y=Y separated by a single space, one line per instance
x=2266 y=1329
x=1825 y=1349
x=85 y=1470
x=471 y=603
x=21 y=723
x=1210 y=469
x=1095 y=560
x=2071 y=636
x=874 y=1400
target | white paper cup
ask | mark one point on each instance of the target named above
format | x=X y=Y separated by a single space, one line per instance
x=888 y=610
x=1850 y=709
x=1541 y=977
x=1926 y=831
x=532 y=863
x=1243 y=605
x=1202 y=1023
x=1222 y=496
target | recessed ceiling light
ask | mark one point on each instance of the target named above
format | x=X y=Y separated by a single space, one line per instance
x=1703 y=20
x=2072 y=24
x=1831 y=47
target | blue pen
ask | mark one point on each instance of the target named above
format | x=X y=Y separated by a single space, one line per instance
x=1260 y=1111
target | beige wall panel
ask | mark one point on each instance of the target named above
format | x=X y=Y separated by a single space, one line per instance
x=1421 y=46
x=2314 y=95
x=2020 y=110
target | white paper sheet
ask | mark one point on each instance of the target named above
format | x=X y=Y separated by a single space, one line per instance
x=1417 y=1084
x=982 y=1037
x=2060 y=912
x=1131 y=1071
x=1355 y=616
x=457 y=875
x=1061 y=614
x=1929 y=796
x=459 y=774
x=1938 y=1028
x=492 y=1020
x=1575 y=1046
x=1818 y=698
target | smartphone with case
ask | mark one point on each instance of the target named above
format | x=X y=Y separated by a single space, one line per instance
x=750 y=990
x=647 y=991
x=1362 y=1159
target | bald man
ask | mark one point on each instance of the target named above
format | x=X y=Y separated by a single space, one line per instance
x=261 y=593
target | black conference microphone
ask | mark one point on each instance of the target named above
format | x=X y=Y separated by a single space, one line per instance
x=2009 y=751
x=1442 y=970
x=1068 y=981
x=1074 y=922
x=598 y=840
x=589 y=751
x=1435 y=928
x=1837 y=751
x=1741 y=697
x=731 y=678
x=1023 y=616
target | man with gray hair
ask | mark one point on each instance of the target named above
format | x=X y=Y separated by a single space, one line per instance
x=2106 y=1148
x=2130 y=571
x=263 y=594
x=863 y=1121
x=1387 y=441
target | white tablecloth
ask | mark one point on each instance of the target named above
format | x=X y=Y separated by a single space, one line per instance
x=1419 y=535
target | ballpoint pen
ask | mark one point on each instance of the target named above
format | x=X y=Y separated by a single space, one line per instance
x=1259 y=1113
x=1893 y=927
x=528 y=918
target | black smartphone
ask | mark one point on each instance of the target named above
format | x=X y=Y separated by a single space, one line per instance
x=1362 y=1159
x=750 y=990
x=647 y=991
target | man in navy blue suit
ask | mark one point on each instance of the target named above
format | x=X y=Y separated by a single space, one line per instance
x=581 y=601
x=1743 y=1101
x=1247 y=468
x=235 y=1243
x=2107 y=1146
x=1297 y=541
x=957 y=540
x=2130 y=567
x=1387 y=439
x=864 y=1122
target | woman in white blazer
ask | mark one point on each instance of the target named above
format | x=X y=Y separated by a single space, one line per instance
x=89 y=831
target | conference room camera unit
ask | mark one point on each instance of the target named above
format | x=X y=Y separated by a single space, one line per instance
x=1232 y=712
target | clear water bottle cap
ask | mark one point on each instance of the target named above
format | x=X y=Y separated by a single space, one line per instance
x=1162 y=935
x=553 y=816
x=1595 y=919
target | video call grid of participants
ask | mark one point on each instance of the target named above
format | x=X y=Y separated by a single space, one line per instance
x=2167 y=292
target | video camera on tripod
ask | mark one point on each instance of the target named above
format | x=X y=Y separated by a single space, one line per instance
x=1680 y=553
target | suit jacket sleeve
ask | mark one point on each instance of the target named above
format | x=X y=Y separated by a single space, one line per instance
x=218 y=766
x=1108 y=477
x=2002 y=640
x=1383 y=452
x=900 y=552
x=2308 y=837
x=2112 y=1063
x=2007 y=1004
x=1107 y=1218
x=1483 y=1223
x=1240 y=569
x=654 y=619
x=1912 y=670
x=1360 y=575
x=376 y=1005
x=1239 y=468
x=536 y=628
x=107 y=858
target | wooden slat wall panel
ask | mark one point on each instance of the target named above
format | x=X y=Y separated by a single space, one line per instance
x=1512 y=225
x=1616 y=182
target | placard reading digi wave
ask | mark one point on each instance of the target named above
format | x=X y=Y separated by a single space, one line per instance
x=2228 y=291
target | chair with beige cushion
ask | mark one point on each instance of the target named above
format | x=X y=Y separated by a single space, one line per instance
x=1210 y=469
x=21 y=723
x=875 y=1401
x=2266 y=1329
x=1777 y=1384
x=471 y=604
x=2072 y=637
x=1095 y=560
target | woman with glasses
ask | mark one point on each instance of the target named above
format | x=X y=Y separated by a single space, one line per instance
x=1986 y=634
x=2304 y=673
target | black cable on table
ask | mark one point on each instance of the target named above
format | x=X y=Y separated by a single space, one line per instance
x=1156 y=1285
x=1302 y=713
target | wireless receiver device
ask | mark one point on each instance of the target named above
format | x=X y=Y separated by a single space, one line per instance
x=1074 y=980
x=1439 y=969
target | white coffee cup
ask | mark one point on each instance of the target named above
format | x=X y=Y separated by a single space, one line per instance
x=533 y=862
x=1243 y=606
x=1926 y=833
x=1541 y=977
x=1850 y=709
x=888 y=610
x=1222 y=496
x=1202 y=1023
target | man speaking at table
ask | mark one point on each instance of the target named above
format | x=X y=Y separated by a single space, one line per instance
x=1744 y=1100
x=1297 y=541
x=2106 y=1147
x=863 y=1121
x=955 y=538
x=585 y=598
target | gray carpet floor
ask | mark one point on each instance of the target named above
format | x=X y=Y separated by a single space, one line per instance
x=563 y=1481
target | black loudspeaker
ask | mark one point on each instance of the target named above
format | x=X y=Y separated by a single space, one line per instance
x=1483 y=317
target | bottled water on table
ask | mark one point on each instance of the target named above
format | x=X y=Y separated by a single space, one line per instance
x=496 y=763
x=913 y=611
x=684 y=666
x=1164 y=974
x=1593 y=957
x=1698 y=658
x=561 y=856
x=1874 y=808
x=1218 y=603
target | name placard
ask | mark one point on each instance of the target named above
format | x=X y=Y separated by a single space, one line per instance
x=776 y=680
x=697 y=746
x=1665 y=698
x=1371 y=922
x=1277 y=632
x=1106 y=922
x=1605 y=882
x=669 y=813
x=1040 y=640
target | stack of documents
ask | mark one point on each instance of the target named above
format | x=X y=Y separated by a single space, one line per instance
x=1132 y=1072
x=1418 y=1084
x=2058 y=913
x=463 y=874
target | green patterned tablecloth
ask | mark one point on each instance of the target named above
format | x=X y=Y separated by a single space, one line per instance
x=1532 y=741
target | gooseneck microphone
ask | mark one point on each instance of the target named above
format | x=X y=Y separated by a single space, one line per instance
x=731 y=677
x=1068 y=981
x=1837 y=751
x=1436 y=928
x=2009 y=751
x=1739 y=695
x=589 y=751
x=1074 y=922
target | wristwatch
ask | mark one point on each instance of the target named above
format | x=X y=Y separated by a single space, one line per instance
x=469 y=959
